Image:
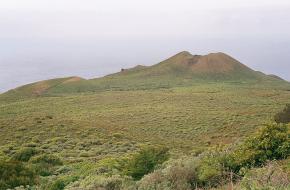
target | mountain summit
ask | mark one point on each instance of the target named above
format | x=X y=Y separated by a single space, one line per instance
x=211 y=63
x=182 y=69
x=214 y=66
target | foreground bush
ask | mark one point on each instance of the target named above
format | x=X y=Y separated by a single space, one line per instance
x=145 y=161
x=271 y=142
x=272 y=176
x=177 y=174
x=14 y=173
x=45 y=164
x=211 y=170
x=217 y=167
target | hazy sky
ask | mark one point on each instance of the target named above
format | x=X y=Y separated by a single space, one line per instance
x=42 y=39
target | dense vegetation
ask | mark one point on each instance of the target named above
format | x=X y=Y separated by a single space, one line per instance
x=220 y=166
x=145 y=162
x=25 y=168
x=215 y=167
x=15 y=173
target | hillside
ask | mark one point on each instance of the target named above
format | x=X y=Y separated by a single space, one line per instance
x=182 y=69
x=38 y=88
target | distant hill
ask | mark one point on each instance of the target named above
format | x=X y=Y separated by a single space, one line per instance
x=182 y=69
x=40 y=88
x=214 y=66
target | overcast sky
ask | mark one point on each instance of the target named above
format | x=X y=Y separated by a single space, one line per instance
x=42 y=39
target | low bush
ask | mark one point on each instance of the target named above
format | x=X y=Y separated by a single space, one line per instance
x=25 y=154
x=176 y=174
x=154 y=181
x=145 y=161
x=44 y=165
x=109 y=183
x=211 y=170
x=103 y=182
x=14 y=173
x=272 y=176
x=47 y=159
x=58 y=185
x=58 y=182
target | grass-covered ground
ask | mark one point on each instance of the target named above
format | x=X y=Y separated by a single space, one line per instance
x=96 y=125
x=87 y=130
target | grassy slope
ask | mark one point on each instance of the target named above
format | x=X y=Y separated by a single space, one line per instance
x=37 y=89
x=112 y=123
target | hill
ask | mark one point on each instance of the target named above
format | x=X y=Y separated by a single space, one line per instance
x=182 y=69
x=38 y=88
x=211 y=67
x=185 y=65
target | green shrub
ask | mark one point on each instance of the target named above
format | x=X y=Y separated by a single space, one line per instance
x=182 y=174
x=145 y=161
x=58 y=185
x=112 y=183
x=269 y=143
x=25 y=154
x=203 y=171
x=210 y=171
x=47 y=159
x=283 y=116
x=14 y=173
x=176 y=174
x=45 y=164
x=60 y=182
x=155 y=181
x=103 y=182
